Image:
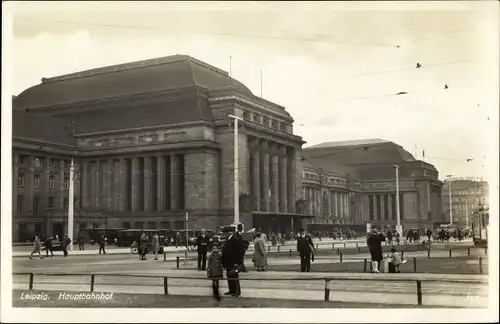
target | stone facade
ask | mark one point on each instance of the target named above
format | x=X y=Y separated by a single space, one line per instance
x=467 y=196
x=143 y=172
x=356 y=193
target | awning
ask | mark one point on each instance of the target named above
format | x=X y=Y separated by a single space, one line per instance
x=274 y=214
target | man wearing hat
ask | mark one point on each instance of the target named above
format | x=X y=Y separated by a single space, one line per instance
x=305 y=247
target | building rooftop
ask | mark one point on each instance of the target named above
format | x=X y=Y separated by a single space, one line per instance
x=159 y=74
x=41 y=128
x=352 y=153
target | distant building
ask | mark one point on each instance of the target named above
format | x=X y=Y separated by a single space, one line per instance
x=354 y=182
x=152 y=140
x=467 y=195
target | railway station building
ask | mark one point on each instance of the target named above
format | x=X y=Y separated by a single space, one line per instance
x=152 y=141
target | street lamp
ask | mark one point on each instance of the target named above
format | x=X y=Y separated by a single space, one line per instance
x=236 y=166
x=399 y=228
x=449 y=197
x=71 y=199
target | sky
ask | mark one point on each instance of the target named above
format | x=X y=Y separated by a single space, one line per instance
x=335 y=66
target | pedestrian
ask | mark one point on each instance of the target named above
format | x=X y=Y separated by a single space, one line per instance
x=178 y=239
x=232 y=255
x=144 y=246
x=214 y=270
x=396 y=260
x=37 y=245
x=156 y=245
x=260 y=258
x=66 y=241
x=48 y=247
x=81 y=240
x=202 y=249
x=102 y=244
x=374 y=243
x=305 y=247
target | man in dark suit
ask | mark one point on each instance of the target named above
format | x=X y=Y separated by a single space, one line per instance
x=305 y=247
x=202 y=248
x=232 y=256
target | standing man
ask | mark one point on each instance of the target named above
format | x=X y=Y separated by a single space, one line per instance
x=48 y=247
x=202 y=248
x=66 y=241
x=102 y=244
x=232 y=256
x=156 y=245
x=37 y=246
x=305 y=247
x=178 y=240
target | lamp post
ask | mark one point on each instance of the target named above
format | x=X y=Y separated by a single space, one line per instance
x=236 y=166
x=449 y=197
x=71 y=200
x=399 y=228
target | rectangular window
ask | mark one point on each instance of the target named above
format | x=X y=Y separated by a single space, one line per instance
x=53 y=163
x=67 y=165
x=126 y=225
x=37 y=162
x=52 y=182
x=20 y=203
x=36 y=205
x=22 y=159
x=151 y=225
x=66 y=203
x=138 y=225
x=165 y=225
x=52 y=202
x=20 y=180
x=66 y=182
x=36 y=182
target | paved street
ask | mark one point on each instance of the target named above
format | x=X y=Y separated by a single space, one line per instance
x=362 y=290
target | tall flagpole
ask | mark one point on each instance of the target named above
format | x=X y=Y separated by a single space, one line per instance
x=71 y=200
x=230 y=65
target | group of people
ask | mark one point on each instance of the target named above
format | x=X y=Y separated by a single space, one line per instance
x=338 y=234
x=375 y=239
x=48 y=245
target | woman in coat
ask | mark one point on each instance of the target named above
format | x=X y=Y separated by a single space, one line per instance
x=260 y=258
x=374 y=243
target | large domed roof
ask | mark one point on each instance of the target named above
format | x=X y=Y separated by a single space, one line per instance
x=167 y=73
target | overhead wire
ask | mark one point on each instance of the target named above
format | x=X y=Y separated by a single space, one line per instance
x=172 y=30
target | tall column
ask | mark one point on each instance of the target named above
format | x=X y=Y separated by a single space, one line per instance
x=174 y=180
x=283 y=181
x=383 y=207
x=265 y=177
x=60 y=187
x=123 y=185
x=111 y=186
x=160 y=182
x=390 y=216
x=347 y=205
x=275 y=195
x=85 y=184
x=374 y=207
x=98 y=184
x=291 y=185
x=147 y=183
x=256 y=175
x=135 y=184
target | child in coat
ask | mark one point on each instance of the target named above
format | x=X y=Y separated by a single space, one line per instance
x=214 y=270
x=396 y=259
